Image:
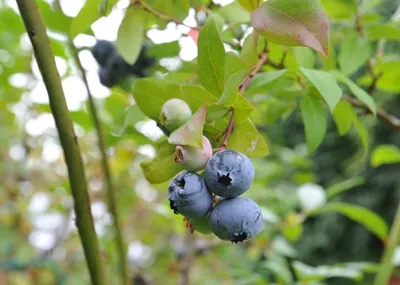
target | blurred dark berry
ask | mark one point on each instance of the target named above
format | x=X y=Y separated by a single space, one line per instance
x=106 y=78
x=102 y=50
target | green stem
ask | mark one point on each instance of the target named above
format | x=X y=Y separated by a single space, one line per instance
x=112 y=205
x=84 y=221
x=386 y=266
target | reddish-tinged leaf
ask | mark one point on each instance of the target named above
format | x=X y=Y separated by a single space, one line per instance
x=191 y=132
x=293 y=23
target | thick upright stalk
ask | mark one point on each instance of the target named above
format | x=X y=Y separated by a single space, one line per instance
x=112 y=205
x=386 y=267
x=45 y=60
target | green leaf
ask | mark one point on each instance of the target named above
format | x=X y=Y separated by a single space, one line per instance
x=170 y=49
x=343 y=115
x=369 y=219
x=243 y=109
x=133 y=115
x=158 y=91
x=388 y=31
x=354 y=53
x=162 y=167
x=211 y=57
x=360 y=93
x=362 y=132
x=261 y=80
x=234 y=12
x=314 y=120
x=293 y=23
x=231 y=88
x=55 y=20
x=249 y=49
x=344 y=186
x=85 y=18
x=340 y=9
x=233 y=63
x=131 y=34
x=385 y=154
x=304 y=57
x=249 y=5
x=389 y=81
x=326 y=84
x=246 y=139
x=191 y=132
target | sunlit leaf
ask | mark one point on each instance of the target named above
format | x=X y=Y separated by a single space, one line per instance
x=389 y=31
x=354 y=53
x=85 y=18
x=385 y=154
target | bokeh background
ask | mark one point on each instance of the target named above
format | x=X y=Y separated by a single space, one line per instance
x=39 y=243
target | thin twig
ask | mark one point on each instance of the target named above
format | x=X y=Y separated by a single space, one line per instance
x=187 y=260
x=44 y=56
x=112 y=203
x=228 y=131
x=382 y=114
x=261 y=61
x=160 y=15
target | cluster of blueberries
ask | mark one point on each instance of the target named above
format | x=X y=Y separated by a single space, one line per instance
x=113 y=67
x=227 y=175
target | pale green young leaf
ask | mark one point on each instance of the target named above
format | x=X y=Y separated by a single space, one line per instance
x=354 y=53
x=85 y=18
x=385 y=154
x=304 y=56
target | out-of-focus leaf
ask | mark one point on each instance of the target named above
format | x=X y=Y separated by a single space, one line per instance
x=211 y=57
x=343 y=115
x=133 y=115
x=293 y=23
x=344 y=186
x=233 y=64
x=314 y=120
x=54 y=20
x=360 y=93
x=162 y=167
x=364 y=216
x=249 y=5
x=354 y=53
x=249 y=49
x=304 y=57
x=234 y=12
x=191 y=132
x=131 y=34
x=390 y=75
x=340 y=9
x=170 y=49
x=246 y=139
x=261 y=80
x=85 y=18
x=389 y=31
x=385 y=154
x=326 y=85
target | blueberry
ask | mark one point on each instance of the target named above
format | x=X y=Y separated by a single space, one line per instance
x=117 y=66
x=236 y=219
x=106 y=78
x=102 y=50
x=229 y=173
x=188 y=195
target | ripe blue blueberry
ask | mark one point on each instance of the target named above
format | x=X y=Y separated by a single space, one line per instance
x=102 y=50
x=188 y=195
x=117 y=66
x=105 y=78
x=236 y=219
x=229 y=173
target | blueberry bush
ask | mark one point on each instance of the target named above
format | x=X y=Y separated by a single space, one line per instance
x=200 y=142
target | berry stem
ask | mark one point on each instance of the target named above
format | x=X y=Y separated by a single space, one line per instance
x=228 y=132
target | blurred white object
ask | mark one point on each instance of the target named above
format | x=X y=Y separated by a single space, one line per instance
x=311 y=196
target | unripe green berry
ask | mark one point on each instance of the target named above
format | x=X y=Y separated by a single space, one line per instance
x=201 y=225
x=193 y=158
x=174 y=113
